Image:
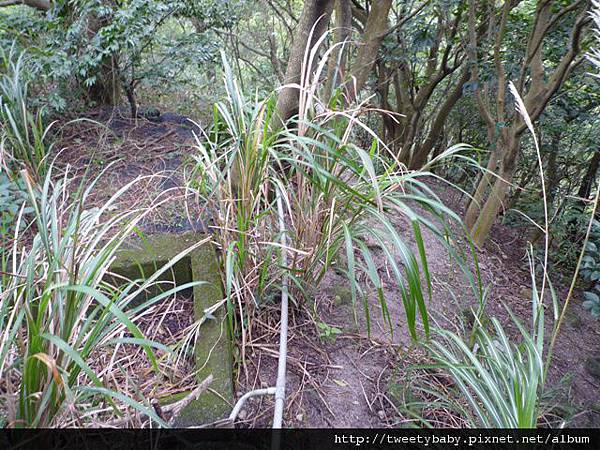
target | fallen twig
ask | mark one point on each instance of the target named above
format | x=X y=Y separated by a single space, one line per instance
x=173 y=408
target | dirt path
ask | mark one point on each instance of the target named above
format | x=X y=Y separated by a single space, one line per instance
x=125 y=149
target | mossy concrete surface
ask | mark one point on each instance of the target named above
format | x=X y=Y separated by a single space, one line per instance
x=143 y=258
x=140 y=259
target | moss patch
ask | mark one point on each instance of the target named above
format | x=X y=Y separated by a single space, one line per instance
x=342 y=295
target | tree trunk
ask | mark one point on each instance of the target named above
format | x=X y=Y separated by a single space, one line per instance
x=552 y=171
x=509 y=148
x=375 y=29
x=313 y=11
x=537 y=86
x=528 y=174
x=587 y=182
x=491 y=208
x=583 y=193
x=421 y=153
x=337 y=59
x=106 y=89
x=130 y=92
x=484 y=183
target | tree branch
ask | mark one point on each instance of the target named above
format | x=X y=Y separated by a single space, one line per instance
x=42 y=5
x=408 y=17
x=552 y=22
x=283 y=19
x=422 y=152
x=536 y=101
x=366 y=56
x=500 y=73
x=473 y=61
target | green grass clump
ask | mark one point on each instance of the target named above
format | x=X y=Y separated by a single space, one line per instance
x=337 y=198
x=57 y=310
x=22 y=131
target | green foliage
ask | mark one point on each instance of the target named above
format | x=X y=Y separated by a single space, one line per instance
x=129 y=32
x=594 y=54
x=590 y=270
x=78 y=46
x=339 y=184
x=328 y=332
x=12 y=197
x=592 y=301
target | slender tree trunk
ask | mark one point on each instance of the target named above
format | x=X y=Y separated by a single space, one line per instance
x=552 y=171
x=410 y=135
x=130 y=92
x=337 y=60
x=550 y=178
x=106 y=89
x=375 y=29
x=587 y=182
x=528 y=174
x=422 y=152
x=275 y=62
x=583 y=193
x=383 y=90
x=443 y=142
x=401 y=139
x=484 y=183
x=313 y=11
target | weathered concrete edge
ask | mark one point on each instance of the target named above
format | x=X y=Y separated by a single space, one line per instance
x=213 y=349
x=214 y=355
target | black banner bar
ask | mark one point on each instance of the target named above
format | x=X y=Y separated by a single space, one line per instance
x=296 y=439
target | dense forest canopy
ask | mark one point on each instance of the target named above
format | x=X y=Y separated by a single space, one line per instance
x=313 y=124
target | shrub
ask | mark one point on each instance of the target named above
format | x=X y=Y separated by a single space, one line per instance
x=336 y=206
